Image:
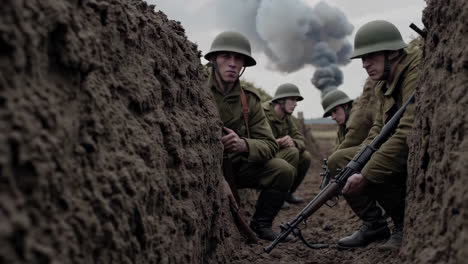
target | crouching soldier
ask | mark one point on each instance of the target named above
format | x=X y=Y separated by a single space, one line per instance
x=354 y=120
x=248 y=142
x=390 y=61
x=291 y=142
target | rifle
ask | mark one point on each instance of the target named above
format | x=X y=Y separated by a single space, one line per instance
x=325 y=174
x=334 y=188
x=239 y=220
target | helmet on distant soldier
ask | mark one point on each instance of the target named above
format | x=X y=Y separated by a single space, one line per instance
x=233 y=42
x=287 y=90
x=333 y=99
x=378 y=35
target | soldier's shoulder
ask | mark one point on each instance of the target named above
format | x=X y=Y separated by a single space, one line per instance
x=251 y=91
x=266 y=106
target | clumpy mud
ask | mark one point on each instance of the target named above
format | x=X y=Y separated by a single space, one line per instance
x=109 y=149
x=436 y=221
x=110 y=153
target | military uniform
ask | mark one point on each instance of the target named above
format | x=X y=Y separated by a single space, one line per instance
x=348 y=140
x=258 y=168
x=297 y=156
x=386 y=171
x=356 y=129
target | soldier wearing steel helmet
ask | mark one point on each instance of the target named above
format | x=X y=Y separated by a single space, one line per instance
x=394 y=65
x=353 y=117
x=291 y=142
x=248 y=140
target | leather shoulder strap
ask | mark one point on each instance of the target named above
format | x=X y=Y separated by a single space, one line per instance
x=245 y=111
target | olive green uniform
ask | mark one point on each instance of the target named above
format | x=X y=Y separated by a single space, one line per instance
x=348 y=140
x=350 y=135
x=258 y=168
x=296 y=156
x=386 y=171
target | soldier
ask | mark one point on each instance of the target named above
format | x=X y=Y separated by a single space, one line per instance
x=390 y=61
x=354 y=117
x=291 y=142
x=354 y=121
x=248 y=142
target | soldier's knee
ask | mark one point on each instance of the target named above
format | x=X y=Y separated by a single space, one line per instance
x=333 y=161
x=306 y=157
x=292 y=152
x=283 y=172
x=291 y=155
x=336 y=162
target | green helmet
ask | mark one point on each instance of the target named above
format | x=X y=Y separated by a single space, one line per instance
x=376 y=36
x=234 y=42
x=333 y=99
x=287 y=90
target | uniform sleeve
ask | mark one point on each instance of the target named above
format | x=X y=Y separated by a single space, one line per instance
x=297 y=136
x=389 y=162
x=337 y=141
x=262 y=145
x=358 y=129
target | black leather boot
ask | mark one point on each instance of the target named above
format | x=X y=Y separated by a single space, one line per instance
x=367 y=233
x=396 y=238
x=268 y=205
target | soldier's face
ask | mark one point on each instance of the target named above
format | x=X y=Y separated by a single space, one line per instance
x=338 y=114
x=374 y=65
x=290 y=104
x=229 y=65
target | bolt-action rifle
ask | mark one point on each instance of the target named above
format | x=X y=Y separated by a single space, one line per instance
x=333 y=189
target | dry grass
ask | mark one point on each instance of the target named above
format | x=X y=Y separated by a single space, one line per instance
x=323 y=131
x=326 y=135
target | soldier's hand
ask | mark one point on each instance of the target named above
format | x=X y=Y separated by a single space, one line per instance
x=232 y=142
x=354 y=185
x=285 y=142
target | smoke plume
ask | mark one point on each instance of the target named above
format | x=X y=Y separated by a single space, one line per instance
x=293 y=34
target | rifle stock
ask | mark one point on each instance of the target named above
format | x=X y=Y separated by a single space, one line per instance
x=239 y=220
x=335 y=186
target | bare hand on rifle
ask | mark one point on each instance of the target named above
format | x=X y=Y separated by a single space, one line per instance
x=285 y=142
x=355 y=184
x=232 y=142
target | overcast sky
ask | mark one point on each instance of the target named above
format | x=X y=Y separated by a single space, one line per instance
x=200 y=18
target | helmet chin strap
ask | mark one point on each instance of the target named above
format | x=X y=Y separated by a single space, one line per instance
x=347 y=110
x=388 y=64
x=242 y=72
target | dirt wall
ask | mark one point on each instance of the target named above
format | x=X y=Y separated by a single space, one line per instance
x=436 y=224
x=109 y=149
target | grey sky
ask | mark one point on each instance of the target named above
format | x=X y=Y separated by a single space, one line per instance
x=201 y=24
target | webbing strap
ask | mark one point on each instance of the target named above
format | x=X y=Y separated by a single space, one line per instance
x=245 y=111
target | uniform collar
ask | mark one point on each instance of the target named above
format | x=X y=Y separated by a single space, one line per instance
x=235 y=91
x=405 y=62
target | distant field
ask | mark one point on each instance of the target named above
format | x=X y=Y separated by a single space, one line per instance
x=326 y=135
x=323 y=131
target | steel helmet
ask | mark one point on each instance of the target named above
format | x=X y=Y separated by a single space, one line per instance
x=234 y=42
x=333 y=99
x=378 y=35
x=287 y=90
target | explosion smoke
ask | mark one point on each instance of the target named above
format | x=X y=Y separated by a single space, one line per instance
x=293 y=34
